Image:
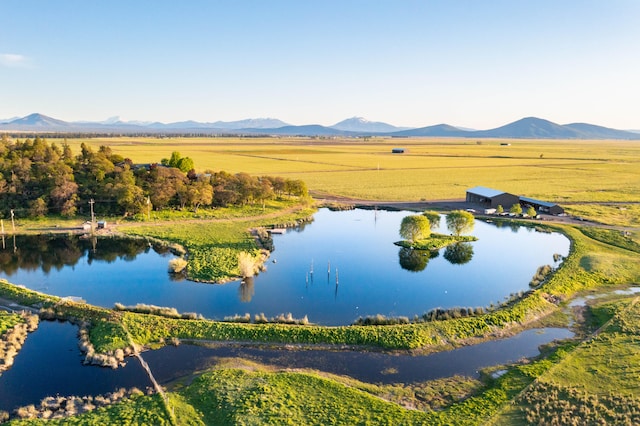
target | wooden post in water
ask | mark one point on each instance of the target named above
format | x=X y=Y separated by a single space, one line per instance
x=336 y=276
x=13 y=224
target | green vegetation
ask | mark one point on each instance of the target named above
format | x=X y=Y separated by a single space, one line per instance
x=460 y=222
x=214 y=247
x=49 y=178
x=541 y=274
x=415 y=227
x=612 y=237
x=233 y=396
x=531 y=212
x=137 y=410
x=516 y=209
x=8 y=321
x=433 y=217
x=553 y=404
x=597 y=381
x=436 y=241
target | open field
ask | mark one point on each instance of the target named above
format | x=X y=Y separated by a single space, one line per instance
x=432 y=169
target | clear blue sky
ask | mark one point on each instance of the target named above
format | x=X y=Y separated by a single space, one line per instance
x=470 y=63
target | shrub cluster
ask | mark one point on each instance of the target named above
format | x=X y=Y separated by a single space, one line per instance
x=381 y=320
x=280 y=319
x=541 y=275
x=113 y=358
x=60 y=407
x=12 y=340
x=142 y=308
x=553 y=404
x=177 y=265
x=439 y=314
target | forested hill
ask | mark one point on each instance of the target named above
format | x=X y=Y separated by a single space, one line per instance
x=38 y=178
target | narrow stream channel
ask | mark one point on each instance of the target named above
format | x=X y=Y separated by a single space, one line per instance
x=50 y=363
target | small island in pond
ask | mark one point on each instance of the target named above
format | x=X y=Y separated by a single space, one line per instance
x=417 y=230
x=435 y=241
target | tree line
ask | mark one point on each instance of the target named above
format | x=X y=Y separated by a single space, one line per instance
x=39 y=178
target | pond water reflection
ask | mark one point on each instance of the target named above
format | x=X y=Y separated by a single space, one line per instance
x=341 y=266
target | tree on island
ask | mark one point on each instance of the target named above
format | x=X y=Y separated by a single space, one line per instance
x=433 y=218
x=459 y=222
x=531 y=212
x=516 y=209
x=415 y=227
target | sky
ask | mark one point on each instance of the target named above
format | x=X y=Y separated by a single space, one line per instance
x=469 y=63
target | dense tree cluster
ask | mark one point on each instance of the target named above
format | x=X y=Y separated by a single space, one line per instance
x=37 y=178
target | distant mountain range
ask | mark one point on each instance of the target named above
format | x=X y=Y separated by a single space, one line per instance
x=526 y=128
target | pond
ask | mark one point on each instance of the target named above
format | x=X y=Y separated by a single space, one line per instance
x=50 y=363
x=341 y=266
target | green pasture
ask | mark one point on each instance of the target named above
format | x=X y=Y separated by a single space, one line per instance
x=597 y=381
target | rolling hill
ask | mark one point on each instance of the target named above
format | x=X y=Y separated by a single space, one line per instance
x=525 y=128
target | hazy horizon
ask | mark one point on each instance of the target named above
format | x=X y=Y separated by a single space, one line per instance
x=469 y=64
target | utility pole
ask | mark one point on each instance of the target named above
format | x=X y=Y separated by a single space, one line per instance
x=93 y=218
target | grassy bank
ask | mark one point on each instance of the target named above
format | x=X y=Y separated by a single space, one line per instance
x=596 y=382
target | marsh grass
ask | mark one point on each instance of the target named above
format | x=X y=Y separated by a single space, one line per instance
x=162 y=311
x=247 y=264
x=541 y=274
x=177 y=265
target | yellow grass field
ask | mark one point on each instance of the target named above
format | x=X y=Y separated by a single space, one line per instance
x=564 y=171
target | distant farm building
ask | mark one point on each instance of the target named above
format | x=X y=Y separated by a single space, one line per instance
x=398 y=150
x=491 y=198
x=542 y=206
